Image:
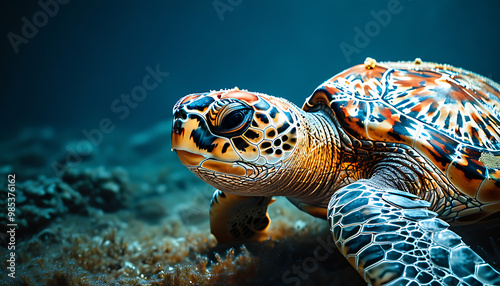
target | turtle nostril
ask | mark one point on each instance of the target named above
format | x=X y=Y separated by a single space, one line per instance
x=180 y=114
x=177 y=127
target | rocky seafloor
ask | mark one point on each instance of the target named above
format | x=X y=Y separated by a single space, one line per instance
x=125 y=212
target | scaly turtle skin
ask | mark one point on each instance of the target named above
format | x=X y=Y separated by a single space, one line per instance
x=387 y=152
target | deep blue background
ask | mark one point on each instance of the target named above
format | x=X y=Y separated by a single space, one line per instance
x=91 y=52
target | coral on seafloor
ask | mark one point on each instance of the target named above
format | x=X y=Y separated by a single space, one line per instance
x=102 y=189
x=110 y=255
x=80 y=240
x=42 y=200
x=117 y=249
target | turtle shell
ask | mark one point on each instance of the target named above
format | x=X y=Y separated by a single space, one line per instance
x=449 y=115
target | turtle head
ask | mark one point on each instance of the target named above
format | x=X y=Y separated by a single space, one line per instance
x=234 y=139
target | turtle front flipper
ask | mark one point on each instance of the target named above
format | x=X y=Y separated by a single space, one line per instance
x=391 y=238
x=239 y=218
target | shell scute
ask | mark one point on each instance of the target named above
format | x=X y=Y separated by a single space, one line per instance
x=355 y=124
x=436 y=147
x=386 y=124
x=449 y=115
x=438 y=100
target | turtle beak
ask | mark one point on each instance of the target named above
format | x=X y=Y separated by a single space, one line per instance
x=194 y=143
x=179 y=123
x=177 y=131
x=189 y=159
x=179 y=143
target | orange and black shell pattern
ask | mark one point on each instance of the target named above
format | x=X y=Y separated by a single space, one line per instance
x=450 y=116
x=233 y=132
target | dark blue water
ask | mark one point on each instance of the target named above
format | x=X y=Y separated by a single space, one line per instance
x=70 y=69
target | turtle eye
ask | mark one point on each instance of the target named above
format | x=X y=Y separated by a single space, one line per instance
x=232 y=119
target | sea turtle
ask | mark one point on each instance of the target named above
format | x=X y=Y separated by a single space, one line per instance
x=389 y=153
